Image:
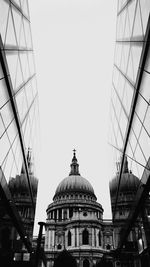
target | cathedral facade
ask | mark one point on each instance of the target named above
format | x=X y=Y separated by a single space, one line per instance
x=75 y=222
x=76 y=230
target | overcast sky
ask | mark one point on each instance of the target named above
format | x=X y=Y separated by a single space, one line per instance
x=74 y=48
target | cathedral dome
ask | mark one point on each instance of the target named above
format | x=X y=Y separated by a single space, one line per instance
x=74 y=182
x=129 y=182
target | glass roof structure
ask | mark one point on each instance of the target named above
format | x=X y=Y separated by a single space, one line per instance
x=19 y=125
x=130 y=97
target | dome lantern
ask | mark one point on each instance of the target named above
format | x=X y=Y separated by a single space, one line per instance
x=74 y=165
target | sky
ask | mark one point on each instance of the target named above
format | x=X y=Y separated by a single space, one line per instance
x=73 y=44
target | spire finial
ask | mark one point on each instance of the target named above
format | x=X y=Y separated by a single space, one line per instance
x=74 y=165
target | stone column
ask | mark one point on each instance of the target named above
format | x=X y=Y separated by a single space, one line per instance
x=93 y=237
x=67 y=213
x=73 y=237
x=46 y=239
x=97 y=237
x=53 y=238
x=49 y=239
x=63 y=214
x=77 y=236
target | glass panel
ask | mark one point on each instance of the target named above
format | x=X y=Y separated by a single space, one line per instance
x=19 y=76
x=136 y=125
x=10 y=38
x=145 y=86
x=138 y=30
x=131 y=12
x=34 y=86
x=4 y=147
x=141 y=108
x=22 y=41
x=7 y=165
x=17 y=2
x=133 y=140
x=16 y=148
x=12 y=59
x=4 y=97
x=12 y=131
x=118 y=51
x=29 y=93
x=31 y=63
x=7 y=114
x=127 y=32
x=125 y=50
x=139 y=156
x=128 y=95
x=121 y=84
x=2 y=127
x=145 y=9
x=21 y=104
x=130 y=70
x=25 y=66
x=147 y=121
x=115 y=76
x=28 y=34
x=147 y=64
x=25 y=9
x=4 y=7
x=136 y=55
x=27 y=133
x=144 y=141
x=17 y=22
x=123 y=123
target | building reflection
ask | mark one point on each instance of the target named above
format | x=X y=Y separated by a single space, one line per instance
x=18 y=130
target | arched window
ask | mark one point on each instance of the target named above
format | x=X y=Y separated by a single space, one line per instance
x=108 y=246
x=65 y=214
x=69 y=238
x=86 y=263
x=85 y=237
x=99 y=238
x=70 y=212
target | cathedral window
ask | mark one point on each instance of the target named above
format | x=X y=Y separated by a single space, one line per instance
x=85 y=237
x=65 y=214
x=69 y=238
x=70 y=213
x=108 y=246
x=86 y=263
x=55 y=215
x=59 y=246
x=59 y=214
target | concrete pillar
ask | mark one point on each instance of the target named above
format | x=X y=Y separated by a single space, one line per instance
x=63 y=214
x=57 y=215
